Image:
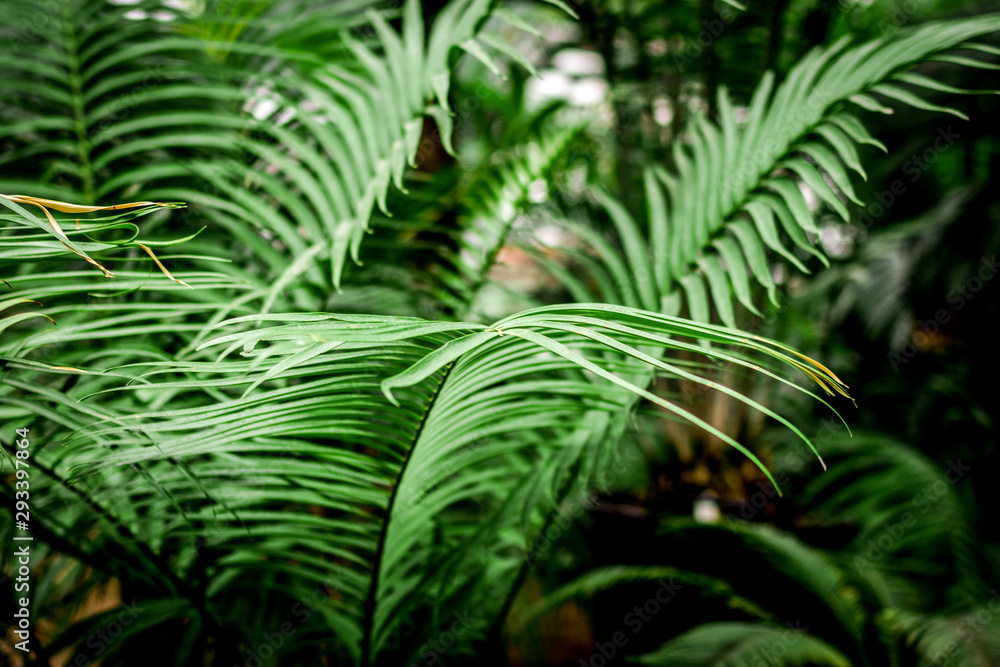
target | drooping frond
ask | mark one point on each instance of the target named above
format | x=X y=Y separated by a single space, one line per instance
x=306 y=416
x=38 y=246
x=42 y=314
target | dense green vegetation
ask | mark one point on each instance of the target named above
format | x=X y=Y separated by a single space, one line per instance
x=516 y=333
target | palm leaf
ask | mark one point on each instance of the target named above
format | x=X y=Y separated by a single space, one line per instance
x=462 y=394
x=737 y=189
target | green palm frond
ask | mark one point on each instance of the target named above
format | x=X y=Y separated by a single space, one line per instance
x=736 y=189
x=243 y=125
x=366 y=129
x=20 y=247
x=46 y=311
x=390 y=479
